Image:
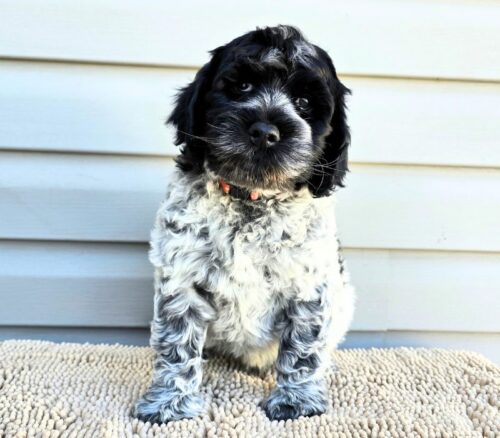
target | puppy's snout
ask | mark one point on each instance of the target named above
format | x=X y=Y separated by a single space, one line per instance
x=264 y=134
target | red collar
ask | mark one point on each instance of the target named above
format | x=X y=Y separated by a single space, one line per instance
x=238 y=192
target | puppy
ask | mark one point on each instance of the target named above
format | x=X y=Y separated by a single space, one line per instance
x=244 y=245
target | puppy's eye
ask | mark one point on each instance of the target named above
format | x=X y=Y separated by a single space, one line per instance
x=245 y=87
x=302 y=103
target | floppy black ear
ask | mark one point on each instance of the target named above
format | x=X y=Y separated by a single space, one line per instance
x=188 y=117
x=330 y=170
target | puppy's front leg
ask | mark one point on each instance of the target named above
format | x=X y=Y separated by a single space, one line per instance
x=302 y=358
x=177 y=334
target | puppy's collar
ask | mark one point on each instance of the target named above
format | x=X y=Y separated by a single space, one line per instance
x=238 y=192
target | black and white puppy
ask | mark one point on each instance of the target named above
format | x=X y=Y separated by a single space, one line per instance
x=245 y=250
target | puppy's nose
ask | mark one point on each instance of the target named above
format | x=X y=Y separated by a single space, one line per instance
x=264 y=134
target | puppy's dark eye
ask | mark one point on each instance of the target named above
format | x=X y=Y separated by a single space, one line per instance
x=302 y=103
x=245 y=87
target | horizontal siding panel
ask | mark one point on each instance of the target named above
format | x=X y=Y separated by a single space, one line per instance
x=110 y=285
x=483 y=343
x=62 y=284
x=80 y=197
x=424 y=122
x=421 y=290
x=425 y=208
x=85 y=197
x=441 y=38
x=104 y=109
x=92 y=335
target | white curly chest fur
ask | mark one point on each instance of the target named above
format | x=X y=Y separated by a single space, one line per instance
x=249 y=259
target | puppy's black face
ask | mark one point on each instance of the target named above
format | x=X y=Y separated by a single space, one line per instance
x=266 y=113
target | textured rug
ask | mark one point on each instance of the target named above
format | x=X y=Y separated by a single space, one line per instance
x=73 y=390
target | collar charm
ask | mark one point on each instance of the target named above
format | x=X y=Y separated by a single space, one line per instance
x=238 y=192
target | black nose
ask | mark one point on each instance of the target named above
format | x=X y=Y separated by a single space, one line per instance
x=264 y=134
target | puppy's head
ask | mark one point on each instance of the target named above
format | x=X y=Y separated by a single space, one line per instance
x=268 y=112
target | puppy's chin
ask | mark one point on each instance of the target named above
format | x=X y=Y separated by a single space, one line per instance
x=257 y=176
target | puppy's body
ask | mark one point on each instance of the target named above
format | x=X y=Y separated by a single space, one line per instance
x=245 y=250
x=249 y=260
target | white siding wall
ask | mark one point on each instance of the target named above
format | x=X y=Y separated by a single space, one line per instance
x=84 y=155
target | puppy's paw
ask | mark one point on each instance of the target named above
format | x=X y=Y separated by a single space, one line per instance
x=161 y=406
x=285 y=404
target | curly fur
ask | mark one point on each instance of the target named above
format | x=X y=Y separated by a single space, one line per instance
x=260 y=281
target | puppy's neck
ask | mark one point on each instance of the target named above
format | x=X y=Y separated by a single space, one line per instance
x=218 y=186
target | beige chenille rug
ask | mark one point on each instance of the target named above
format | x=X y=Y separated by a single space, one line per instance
x=72 y=390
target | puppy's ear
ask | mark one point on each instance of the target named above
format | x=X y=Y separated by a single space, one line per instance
x=188 y=116
x=331 y=167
